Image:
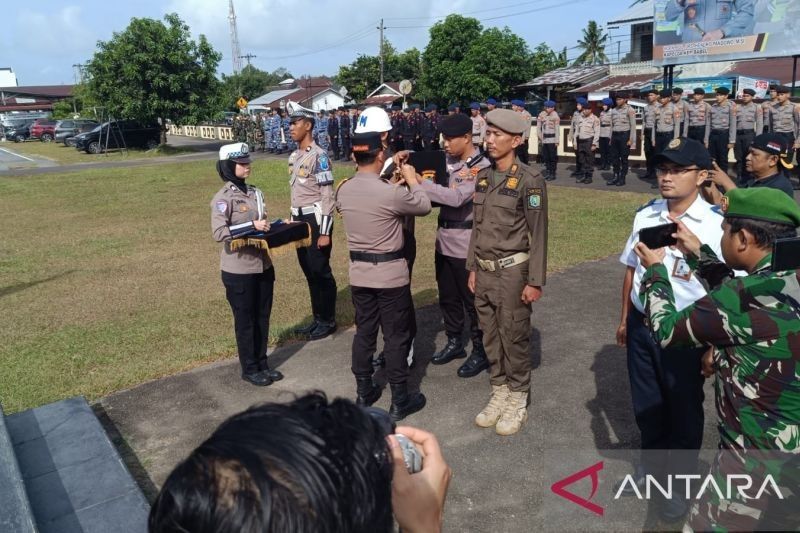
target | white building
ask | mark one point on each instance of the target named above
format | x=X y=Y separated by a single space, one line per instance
x=7 y=77
x=630 y=34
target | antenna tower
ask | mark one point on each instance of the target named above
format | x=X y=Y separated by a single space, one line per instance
x=237 y=54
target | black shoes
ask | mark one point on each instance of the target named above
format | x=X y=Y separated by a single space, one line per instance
x=274 y=375
x=586 y=179
x=673 y=509
x=259 y=379
x=476 y=363
x=322 y=330
x=403 y=403
x=367 y=392
x=305 y=330
x=452 y=350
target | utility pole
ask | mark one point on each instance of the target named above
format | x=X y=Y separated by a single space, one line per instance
x=78 y=74
x=381 y=28
x=248 y=57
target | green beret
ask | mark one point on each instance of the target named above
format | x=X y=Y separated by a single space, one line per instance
x=761 y=203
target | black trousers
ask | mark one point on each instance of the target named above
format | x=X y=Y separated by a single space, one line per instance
x=605 y=152
x=455 y=299
x=316 y=266
x=585 y=157
x=550 y=154
x=789 y=136
x=649 y=153
x=410 y=255
x=620 y=151
x=522 y=151
x=740 y=149
x=250 y=297
x=667 y=394
x=698 y=133
x=347 y=147
x=388 y=309
x=718 y=148
x=662 y=141
x=429 y=144
x=335 y=146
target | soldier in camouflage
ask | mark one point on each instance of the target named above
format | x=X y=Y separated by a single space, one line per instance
x=754 y=324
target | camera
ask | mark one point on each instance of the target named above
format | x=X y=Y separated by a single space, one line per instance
x=411 y=455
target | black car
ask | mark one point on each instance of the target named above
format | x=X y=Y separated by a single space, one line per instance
x=18 y=130
x=67 y=129
x=119 y=134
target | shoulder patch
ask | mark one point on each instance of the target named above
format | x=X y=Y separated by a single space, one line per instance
x=324 y=162
x=221 y=206
x=648 y=204
x=717 y=209
x=533 y=198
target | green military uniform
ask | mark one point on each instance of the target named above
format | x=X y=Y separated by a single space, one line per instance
x=754 y=324
x=508 y=250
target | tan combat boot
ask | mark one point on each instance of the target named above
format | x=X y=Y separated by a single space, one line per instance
x=491 y=413
x=514 y=414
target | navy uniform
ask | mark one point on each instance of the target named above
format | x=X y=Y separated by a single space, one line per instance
x=409 y=129
x=623 y=138
x=396 y=135
x=429 y=131
x=312 y=196
x=648 y=123
x=452 y=241
x=698 y=120
x=275 y=131
x=749 y=124
x=723 y=128
x=345 y=134
x=333 y=134
x=247 y=271
x=605 y=134
x=372 y=210
x=324 y=140
x=547 y=127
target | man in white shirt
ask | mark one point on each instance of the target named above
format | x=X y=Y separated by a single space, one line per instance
x=667 y=384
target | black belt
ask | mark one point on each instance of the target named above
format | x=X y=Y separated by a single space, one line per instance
x=720 y=132
x=366 y=257
x=696 y=127
x=548 y=135
x=455 y=224
x=742 y=132
x=626 y=132
x=670 y=132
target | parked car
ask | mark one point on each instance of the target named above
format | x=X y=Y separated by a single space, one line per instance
x=119 y=134
x=67 y=129
x=18 y=130
x=43 y=129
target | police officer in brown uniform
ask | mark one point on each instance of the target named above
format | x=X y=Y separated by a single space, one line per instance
x=749 y=123
x=237 y=210
x=785 y=119
x=507 y=260
x=522 y=149
x=698 y=121
x=722 y=136
x=605 y=134
x=478 y=125
x=547 y=127
x=312 y=196
x=464 y=161
x=623 y=138
x=373 y=210
x=681 y=104
x=766 y=105
x=668 y=123
x=586 y=137
x=648 y=123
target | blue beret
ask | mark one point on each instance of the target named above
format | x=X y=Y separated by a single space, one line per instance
x=452 y=107
x=414 y=106
x=608 y=101
x=518 y=102
x=549 y=103
x=491 y=101
x=582 y=101
x=475 y=105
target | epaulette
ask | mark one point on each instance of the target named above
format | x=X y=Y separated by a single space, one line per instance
x=648 y=204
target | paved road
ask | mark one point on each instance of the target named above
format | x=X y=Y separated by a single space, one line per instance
x=580 y=412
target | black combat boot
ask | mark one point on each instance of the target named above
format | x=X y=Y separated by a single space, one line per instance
x=587 y=179
x=274 y=375
x=403 y=403
x=367 y=392
x=476 y=363
x=621 y=179
x=305 y=330
x=613 y=181
x=454 y=349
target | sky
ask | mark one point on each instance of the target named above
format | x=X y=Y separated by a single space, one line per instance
x=41 y=41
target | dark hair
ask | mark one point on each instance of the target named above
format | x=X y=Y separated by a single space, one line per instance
x=764 y=233
x=308 y=465
x=366 y=158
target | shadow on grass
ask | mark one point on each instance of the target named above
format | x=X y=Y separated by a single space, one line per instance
x=11 y=289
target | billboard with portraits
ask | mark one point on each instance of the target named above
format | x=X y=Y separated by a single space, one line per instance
x=700 y=31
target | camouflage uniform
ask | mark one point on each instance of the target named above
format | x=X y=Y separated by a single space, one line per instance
x=324 y=141
x=754 y=323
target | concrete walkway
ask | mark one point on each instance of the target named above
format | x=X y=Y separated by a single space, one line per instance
x=580 y=412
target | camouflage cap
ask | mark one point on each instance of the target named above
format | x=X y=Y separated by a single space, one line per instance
x=761 y=203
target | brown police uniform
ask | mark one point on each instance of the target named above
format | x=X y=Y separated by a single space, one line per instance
x=508 y=250
x=749 y=123
x=698 y=121
x=667 y=126
x=722 y=132
x=586 y=136
x=312 y=194
x=478 y=130
x=372 y=210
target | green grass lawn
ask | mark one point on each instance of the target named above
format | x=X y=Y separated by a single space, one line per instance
x=67 y=155
x=110 y=277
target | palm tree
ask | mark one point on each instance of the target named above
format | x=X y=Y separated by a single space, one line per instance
x=593 y=46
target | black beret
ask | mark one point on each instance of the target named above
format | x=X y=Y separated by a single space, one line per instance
x=666 y=93
x=456 y=125
x=751 y=92
x=677 y=90
x=782 y=89
x=699 y=90
x=722 y=90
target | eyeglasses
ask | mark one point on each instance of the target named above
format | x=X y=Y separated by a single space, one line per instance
x=674 y=171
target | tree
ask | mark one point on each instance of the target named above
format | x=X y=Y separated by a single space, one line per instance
x=546 y=59
x=250 y=83
x=81 y=102
x=450 y=42
x=593 y=45
x=154 y=70
x=363 y=75
x=496 y=62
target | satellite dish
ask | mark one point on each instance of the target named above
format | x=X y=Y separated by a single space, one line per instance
x=405 y=87
x=343 y=91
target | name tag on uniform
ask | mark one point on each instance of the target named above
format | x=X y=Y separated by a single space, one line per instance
x=681 y=270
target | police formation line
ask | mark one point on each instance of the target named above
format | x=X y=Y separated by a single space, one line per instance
x=683 y=309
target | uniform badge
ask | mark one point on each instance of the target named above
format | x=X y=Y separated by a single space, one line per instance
x=534 y=198
x=483 y=184
x=302 y=173
x=222 y=206
x=324 y=162
x=463 y=173
x=243 y=208
x=674 y=143
x=511 y=183
x=681 y=270
x=428 y=174
x=474 y=171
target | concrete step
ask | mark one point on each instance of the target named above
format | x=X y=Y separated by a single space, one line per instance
x=74 y=477
x=15 y=509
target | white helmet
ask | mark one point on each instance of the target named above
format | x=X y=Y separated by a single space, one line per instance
x=373 y=120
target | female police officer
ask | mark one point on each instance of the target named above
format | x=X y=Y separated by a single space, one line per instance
x=247 y=273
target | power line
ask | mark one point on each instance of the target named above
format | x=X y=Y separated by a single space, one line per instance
x=353 y=37
x=430 y=17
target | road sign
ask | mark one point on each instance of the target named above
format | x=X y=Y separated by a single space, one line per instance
x=241 y=103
